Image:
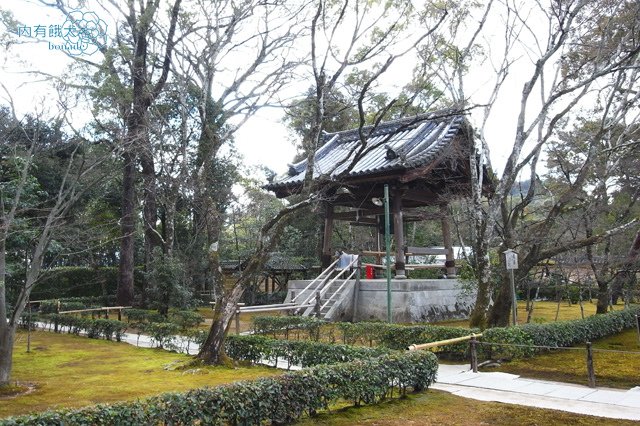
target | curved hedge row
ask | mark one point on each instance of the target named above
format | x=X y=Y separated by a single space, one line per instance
x=277 y=400
x=556 y=334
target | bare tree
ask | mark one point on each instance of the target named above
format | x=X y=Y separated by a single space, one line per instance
x=343 y=36
x=22 y=145
x=570 y=56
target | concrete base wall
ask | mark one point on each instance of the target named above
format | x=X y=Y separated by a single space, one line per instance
x=411 y=300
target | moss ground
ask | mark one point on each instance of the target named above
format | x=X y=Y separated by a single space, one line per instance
x=71 y=371
x=441 y=408
x=619 y=368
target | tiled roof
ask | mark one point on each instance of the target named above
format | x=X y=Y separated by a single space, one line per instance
x=396 y=145
x=276 y=261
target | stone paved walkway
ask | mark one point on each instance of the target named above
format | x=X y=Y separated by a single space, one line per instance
x=513 y=389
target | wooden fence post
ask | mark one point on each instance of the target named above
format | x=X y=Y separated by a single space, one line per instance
x=638 y=327
x=474 y=354
x=120 y=314
x=590 y=371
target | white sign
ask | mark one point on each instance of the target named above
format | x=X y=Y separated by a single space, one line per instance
x=511 y=259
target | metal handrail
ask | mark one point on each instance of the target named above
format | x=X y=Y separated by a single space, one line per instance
x=329 y=268
x=339 y=288
x=275 y=305
x=326 y=286
x=272 y=308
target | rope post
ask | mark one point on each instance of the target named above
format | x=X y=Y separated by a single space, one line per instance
x=316 y=308
x=474 y=354
x=590 y=371
x=106 y=315
x=120 y=314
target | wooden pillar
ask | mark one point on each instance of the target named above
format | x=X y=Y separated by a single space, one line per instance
x=326 y=237
x=398 y=233
x=450 y=263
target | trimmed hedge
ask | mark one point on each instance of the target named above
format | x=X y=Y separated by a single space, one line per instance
x=95 y=328
x=182 y=319
x=392 y=336
x=304 y=353
x=557 y=334
x=277 y=400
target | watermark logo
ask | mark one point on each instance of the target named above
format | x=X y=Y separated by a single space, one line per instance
x=82 y=33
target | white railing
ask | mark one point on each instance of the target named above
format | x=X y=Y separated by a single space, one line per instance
x=326 y=286
x=339 y=289
x=321 y=276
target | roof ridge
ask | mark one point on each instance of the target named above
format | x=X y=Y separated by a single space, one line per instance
x=395 y=124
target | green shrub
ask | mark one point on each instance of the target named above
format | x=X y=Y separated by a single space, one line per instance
x=392 y=336
x=557 y=334
x=186 y=319
x=94 y=328
x=277 y=400
x=569 y=333
x=285 y=324
x=304 y=353
x=506 y=343
x=161 y=333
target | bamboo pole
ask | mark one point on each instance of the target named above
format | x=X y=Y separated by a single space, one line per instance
x=443 y=342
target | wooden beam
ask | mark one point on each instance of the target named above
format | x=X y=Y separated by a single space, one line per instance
x=448 y=243
x=398 y=233
x=426 y=251
x=326 y=237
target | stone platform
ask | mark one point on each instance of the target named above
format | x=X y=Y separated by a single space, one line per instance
x=412 y=300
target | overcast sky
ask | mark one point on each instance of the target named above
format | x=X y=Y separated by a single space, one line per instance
x=262 y=140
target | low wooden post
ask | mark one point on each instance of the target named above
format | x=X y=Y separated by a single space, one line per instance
x=638 y=327
x=317 y=306
x=590 y=371
x=474 y=354
x=106 y=315
x=120 y=314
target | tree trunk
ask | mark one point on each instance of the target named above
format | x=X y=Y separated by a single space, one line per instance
x=212 y=351
x=479 y=314
x=6 y=332
x=499 y=313
x=603 y=297
x=6 y=351
x=626 y=277
x=150 y=209
x=127 y=223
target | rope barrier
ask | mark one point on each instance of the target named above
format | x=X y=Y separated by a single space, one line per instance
x=556 y=347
